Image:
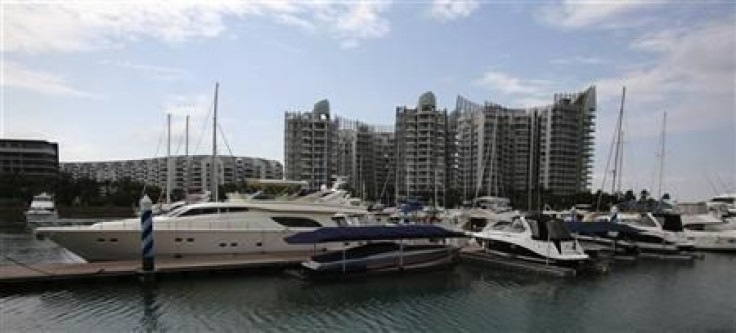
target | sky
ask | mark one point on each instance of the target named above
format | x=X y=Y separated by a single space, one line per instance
x=99 y=77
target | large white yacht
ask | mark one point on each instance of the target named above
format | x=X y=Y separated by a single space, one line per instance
x=204 y=229
x=41 y=211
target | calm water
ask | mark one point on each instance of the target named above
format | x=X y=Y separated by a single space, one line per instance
x=645 y=296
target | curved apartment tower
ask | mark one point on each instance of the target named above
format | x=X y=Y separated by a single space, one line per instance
x=502 y=150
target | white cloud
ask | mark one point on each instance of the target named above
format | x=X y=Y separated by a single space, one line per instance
x=156 y=72
x=578 y=60
x=506 y=84
x=692 y=77
x=85 y=26
x=448 y=10
x=18 y=76
x=578 y=14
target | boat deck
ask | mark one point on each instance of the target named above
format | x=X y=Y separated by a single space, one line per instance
x=41 y=273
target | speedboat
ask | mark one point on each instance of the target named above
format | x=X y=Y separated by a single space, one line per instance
x=41 y=211
x=410 y=253
x=709 y=232
x=659 y=232
x=537 y=238
x=203 y=229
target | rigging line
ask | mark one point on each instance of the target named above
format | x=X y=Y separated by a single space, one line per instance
x=158 y=147
x=224 y=139
x=605 y=173
x=204 y=128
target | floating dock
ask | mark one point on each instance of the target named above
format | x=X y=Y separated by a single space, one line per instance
x=76 y=272
x=477 y=255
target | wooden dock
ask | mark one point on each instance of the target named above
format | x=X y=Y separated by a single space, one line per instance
x=477 y=255
x=40 y=273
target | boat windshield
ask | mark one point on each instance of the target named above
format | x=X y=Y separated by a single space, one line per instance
x=547 y=228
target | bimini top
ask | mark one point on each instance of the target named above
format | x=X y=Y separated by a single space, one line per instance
x=339 y=234
x=590 y=228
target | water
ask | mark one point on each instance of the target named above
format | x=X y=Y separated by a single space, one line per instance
x=644 y=296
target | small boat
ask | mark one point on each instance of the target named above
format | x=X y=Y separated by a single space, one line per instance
x=535 y=237
x=709 y=232
x=41 y=211
x=384 y=256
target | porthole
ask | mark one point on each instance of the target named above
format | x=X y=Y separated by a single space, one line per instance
x=259 y=244
x=190 y=239
x=114 y=240
x=100 y=240
x=223 y=244
x=177 y=239
x=233 y=244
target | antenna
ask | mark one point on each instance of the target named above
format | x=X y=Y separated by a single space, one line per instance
x=662 y=154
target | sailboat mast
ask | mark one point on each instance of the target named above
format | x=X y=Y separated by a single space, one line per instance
x=213 y=165
x=662 y=154
x=168 y=158
x=617 y=159
x=186 y=153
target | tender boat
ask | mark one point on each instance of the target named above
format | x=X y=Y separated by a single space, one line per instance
x=41 y=211
x=378 y=257
x=538 y=238
x=204 y=229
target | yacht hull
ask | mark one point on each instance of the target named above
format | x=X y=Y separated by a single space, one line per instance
x=713 y=241
x=109 y=245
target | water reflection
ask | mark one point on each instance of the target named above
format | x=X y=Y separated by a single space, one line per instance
x=149 y=321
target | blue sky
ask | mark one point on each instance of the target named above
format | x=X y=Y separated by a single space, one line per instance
x=99 y=77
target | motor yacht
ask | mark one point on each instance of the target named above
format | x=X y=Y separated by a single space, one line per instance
x=204 y=229
x=659 y=232
x=41 y=211
x=487 y=211
x=538 y=238
x=708 y=232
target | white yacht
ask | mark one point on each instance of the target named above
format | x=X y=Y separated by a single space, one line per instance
x=537 y=238
x=709 y=232
x=487 y=211
x=658 y=232
x=204 y=229
x=41 y=211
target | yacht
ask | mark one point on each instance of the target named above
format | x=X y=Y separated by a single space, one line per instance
x=41 y=211
x=205 y=229
x=384 y=256
x=487 y=211
x=659 y=232
x=708 y=232
x=538 y=238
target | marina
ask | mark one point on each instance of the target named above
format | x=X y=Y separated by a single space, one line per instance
x=687 y=295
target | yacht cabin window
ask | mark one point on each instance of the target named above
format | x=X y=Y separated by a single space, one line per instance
x=296 y=222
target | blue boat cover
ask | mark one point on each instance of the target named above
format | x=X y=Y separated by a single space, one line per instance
x=339 y=234
x=600 y=227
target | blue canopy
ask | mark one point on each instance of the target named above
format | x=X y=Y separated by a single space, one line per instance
x=340 y=234
x=600 y=227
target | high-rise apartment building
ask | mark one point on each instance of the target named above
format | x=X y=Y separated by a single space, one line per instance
x=503 y=150
x=421 y=150
x=478 y=149
x=311 y=145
